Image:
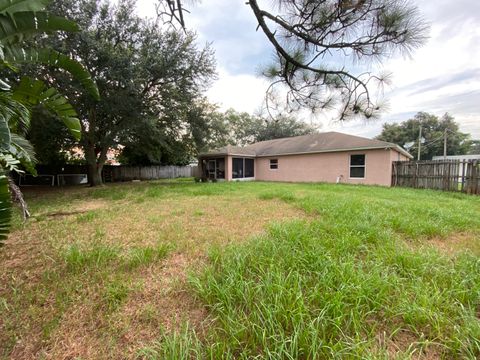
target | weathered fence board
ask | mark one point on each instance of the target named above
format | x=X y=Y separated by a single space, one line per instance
x=129 y=173
x=447 y=175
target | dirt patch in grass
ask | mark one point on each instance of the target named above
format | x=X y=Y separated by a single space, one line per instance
x=197 y=222
x=404 y=344
x=457 y=242
x=159 y=302
x=23 y=254
x=55 y=321
x=79 y=208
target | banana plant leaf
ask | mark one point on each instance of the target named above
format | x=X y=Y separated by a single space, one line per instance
x=53 y=58
x=18 y=26
x=36 y=92
x=12 y=6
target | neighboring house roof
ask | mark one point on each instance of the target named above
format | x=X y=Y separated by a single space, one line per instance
x=458 y=157
x=313 y=143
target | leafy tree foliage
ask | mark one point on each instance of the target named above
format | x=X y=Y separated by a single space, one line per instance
x=20 y=22
x=148 y=78
x=209 y=128
x=433 y=130
x=50 y=138
x=474 y=147
x=320 y=46
x=281 y=127
x=241 y=128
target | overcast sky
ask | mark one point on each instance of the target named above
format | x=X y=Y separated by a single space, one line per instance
x=442 y=76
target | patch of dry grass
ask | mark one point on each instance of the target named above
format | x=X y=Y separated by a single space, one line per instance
x=67 y=287
x=451 y=245
x=457 y=242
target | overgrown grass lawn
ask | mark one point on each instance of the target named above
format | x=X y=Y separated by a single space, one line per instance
x=180 y=270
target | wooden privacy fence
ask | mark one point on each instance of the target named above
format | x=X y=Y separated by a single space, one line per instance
x=447 y=175
x=129 y=173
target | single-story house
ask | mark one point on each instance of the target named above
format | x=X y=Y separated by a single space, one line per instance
x=322 y=157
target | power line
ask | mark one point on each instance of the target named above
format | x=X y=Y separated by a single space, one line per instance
x=430 y=142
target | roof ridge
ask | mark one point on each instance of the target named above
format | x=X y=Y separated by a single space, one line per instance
x=319 y=141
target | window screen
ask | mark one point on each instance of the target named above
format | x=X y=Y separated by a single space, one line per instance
x=357 y=166
x=273 y=164
x=237 y=171
x=220 y=168
x=249 y=168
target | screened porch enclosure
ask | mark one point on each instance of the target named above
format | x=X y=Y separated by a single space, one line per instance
x=214 y=168
x=243 y=168
x=227 y=168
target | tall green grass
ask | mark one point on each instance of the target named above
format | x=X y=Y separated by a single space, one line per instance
x=346 y=284
x=107 y=257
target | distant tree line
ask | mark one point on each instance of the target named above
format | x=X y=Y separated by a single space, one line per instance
x=152 y=81
x=407 y=133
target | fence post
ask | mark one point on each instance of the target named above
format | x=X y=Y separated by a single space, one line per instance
x=415 y=176
x=475 y=178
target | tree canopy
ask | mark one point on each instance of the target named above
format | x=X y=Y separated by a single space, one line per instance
x=240 y=128
x=210 y=129
x=474 y=147
x=147 y=77
x=433 y=130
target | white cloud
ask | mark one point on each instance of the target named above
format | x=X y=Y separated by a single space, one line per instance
x=453 y=47
x=242 y=92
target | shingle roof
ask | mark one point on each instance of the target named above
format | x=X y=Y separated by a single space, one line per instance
x=232 y=150
x=313 y=143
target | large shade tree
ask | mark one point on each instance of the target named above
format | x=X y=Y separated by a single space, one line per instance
x=147 y=77
x=321 y=47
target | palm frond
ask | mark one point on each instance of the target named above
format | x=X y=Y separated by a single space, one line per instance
x=14 y=112
x=14 y=116
x=9 y=163
x=23 y=150
x=5 y=134
x=53 y=58
x=16 y=27
x=12 y=6
x=35 y=92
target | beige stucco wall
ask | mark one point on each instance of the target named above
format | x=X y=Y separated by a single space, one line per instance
x=396 y=156
x=326 y=167
x=228 y=168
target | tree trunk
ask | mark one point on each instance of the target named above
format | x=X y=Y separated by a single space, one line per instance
x=94 y=166
x=95 y=174
x=95 y=159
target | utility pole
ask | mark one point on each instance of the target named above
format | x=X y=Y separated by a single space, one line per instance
x=445 y=145
x=419 y=142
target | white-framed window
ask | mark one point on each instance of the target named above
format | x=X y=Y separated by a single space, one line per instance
x=357 y=166
x=273 y=164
